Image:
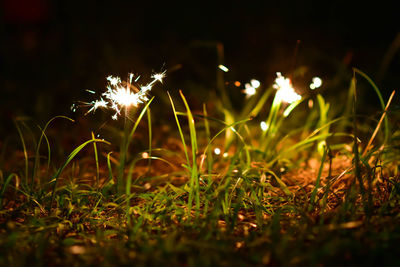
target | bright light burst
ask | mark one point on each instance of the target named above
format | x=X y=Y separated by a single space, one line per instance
x=119 y=96
x=251 y=88
x=264 y=126
x=286 y=92
x=316 y=82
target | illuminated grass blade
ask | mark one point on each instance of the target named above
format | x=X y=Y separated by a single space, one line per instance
x=208 y=136
x=96 y=157
x=323 y=118
x=382 y=102
x=194 y=179
x=150 y=136
x=43 y=135
x=378 y=125
x=254 y=106
x=179 y=130
x=69 y=159
x=318 y=181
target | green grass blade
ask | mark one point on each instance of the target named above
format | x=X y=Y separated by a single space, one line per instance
x=179 y=129
x=317 y=183
x=96 y=157
x=258 y=107
x=150 y=136
x=382 y=102
x=43 y=135
x=25 y=151
x=69 y=159
x=4 y=187
x=194 y=179
x=208 y=136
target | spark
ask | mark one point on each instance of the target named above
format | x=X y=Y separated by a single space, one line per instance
x=285 y=91
x=217 y=151
x=223 y=68
x=316 y=83
x=114 y=81
x=97 y=104
x=249 y=90
x=158 y=76
x=90 y=91
x=264 y=126
x=255 y=83
x=119 y=96
x=73 y=107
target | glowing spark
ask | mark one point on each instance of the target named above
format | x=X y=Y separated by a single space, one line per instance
x=310 y=103
x=316 y=83
x=97 y=104
x=237 y=83
x=223 y=68
x=158 y=76
x=286 y=92
x=251 y=88
x=119 y=96
x=114 y=81
x=255 y=83
x=264 y=126
x=225 y=155
x=145 y=155
x=217 y=151
x=73 y=107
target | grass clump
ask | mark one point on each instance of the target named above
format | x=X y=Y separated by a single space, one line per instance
x=287 y=194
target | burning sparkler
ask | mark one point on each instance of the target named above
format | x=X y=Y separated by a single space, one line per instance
x=286 y=92
x=119 y=96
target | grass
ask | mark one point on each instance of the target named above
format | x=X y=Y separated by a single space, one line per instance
x=322 y=192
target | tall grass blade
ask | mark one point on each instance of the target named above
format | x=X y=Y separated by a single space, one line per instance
x=367 y=148
x=318 y=181
x=96 y=157
x=69 y=159
x=179 y=130
x=194 y=179
x=43 y=135
x=382 y=102
x=21 y=136
x=4 y=187
x=208 y=136
x=150 y=137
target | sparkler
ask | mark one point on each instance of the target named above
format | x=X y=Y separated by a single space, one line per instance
x=286 y=92
x=119 y=96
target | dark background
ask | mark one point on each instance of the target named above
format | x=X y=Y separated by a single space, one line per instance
x=51 y=51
